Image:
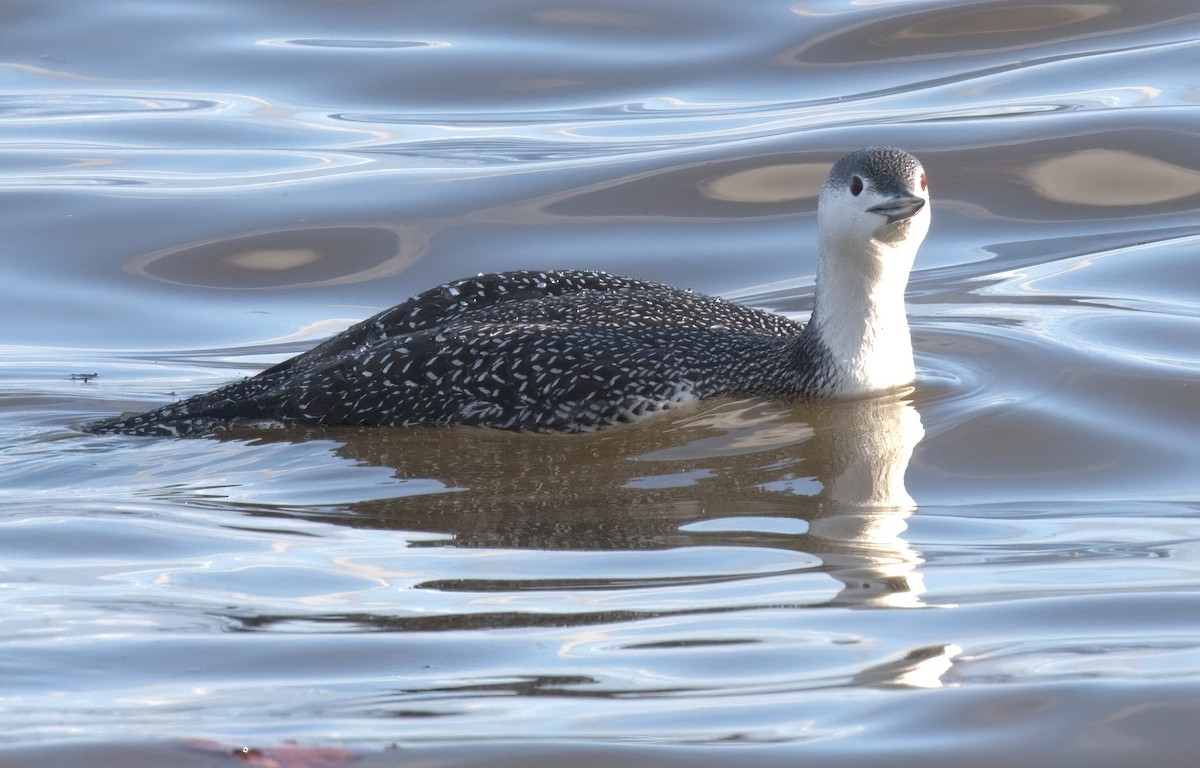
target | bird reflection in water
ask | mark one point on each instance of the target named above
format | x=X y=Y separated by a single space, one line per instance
x=837 y=465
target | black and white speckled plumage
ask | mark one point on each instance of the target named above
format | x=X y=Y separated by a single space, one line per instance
x=569 y=351
x=560 y=351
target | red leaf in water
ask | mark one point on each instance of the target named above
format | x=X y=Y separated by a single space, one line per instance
x=279 y=757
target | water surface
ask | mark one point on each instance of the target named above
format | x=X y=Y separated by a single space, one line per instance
x=998 y=566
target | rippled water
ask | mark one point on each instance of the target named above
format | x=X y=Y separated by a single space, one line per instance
x=998 y=567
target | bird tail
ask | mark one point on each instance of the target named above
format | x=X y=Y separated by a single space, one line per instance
x=203 y=414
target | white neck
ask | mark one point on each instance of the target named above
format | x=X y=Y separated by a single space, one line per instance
x=859 y=313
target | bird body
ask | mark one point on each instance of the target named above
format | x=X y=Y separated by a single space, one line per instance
x=570 y=351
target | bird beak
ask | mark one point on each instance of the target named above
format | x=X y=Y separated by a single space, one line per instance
x=899 y=208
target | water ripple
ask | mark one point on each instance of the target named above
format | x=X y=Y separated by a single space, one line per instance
x=195 y=189
x=34 y=107
x=354 y=44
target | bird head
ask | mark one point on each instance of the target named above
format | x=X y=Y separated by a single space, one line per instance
x=875 y=205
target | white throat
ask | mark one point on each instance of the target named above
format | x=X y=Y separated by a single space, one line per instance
x=859 y=312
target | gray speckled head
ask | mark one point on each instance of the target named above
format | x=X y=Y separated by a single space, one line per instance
x=889 y=170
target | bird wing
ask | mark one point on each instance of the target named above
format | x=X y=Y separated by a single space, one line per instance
x=444 y=303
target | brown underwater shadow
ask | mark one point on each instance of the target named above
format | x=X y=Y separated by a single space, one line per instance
x=822 y=477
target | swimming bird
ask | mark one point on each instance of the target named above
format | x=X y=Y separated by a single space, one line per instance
x=573 y=351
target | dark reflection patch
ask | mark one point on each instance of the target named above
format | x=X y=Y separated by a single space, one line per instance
x=282 y=259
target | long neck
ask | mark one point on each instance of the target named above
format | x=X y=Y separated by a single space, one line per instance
x=859 y=314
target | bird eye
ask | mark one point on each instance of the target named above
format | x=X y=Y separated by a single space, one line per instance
x=856 y=186
x=924 y=183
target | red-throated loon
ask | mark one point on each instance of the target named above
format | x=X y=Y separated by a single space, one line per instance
x=571 y=351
